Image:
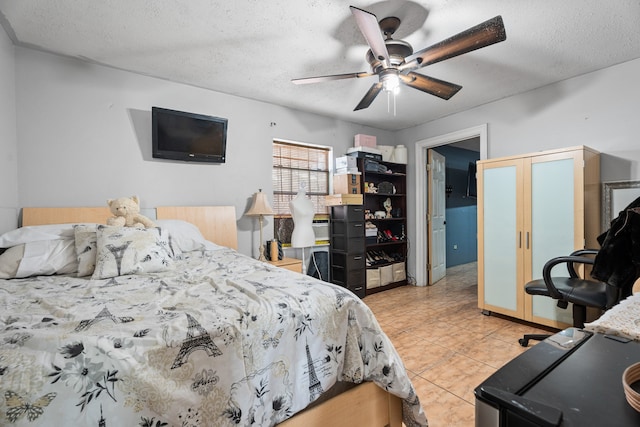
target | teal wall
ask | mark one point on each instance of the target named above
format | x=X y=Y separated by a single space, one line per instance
x=461 y=212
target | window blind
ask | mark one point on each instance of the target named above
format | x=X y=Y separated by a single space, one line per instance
x=295 y=165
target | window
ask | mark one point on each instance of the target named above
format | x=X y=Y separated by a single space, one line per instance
x=295 y=164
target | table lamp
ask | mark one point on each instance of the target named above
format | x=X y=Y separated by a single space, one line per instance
x=260 y=207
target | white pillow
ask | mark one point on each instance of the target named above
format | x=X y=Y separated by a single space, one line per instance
x=34 y=233
x=186 y=236
x=48 y=257
x=129 y=250
x=86 y=248
x=10 y=260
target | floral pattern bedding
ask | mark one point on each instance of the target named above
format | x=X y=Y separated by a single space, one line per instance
x=622 y=319
x=221 y=340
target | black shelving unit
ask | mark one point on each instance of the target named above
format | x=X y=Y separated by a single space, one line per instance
x=347 y=249
x=386 y=253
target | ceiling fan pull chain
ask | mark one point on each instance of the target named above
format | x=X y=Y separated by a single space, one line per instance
x=391 y=93
x=394 y=103
x=388 y=101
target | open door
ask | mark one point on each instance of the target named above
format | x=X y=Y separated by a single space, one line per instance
x=436 y=218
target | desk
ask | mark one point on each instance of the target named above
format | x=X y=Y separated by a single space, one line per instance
x=584 y=383
x=292 y=264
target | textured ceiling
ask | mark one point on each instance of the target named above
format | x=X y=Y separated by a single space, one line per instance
x=254 y=48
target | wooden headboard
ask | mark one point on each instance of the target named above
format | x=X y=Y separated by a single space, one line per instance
x=216 y=223
x=42 y=216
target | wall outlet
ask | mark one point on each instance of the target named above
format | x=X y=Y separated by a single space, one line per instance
x=455 y=247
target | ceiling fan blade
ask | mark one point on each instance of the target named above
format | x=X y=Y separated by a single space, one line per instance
x=439 y=88
x=369 y=97
x=482 y=35
x=320 y=79
x=370 y=29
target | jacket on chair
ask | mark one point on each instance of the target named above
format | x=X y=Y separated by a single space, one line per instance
x=618 y=260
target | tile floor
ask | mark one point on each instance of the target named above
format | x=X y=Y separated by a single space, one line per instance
x=448 y=346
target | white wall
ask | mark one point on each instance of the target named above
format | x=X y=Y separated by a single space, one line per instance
x=8 y=139
x=85 y=136
x=599 y=110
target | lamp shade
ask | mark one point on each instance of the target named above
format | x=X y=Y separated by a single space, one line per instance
x=260 y=205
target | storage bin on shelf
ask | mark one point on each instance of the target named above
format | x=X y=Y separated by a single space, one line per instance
x=373 y=278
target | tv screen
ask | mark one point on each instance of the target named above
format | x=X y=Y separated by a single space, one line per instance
x=190 y=137
x=472 y=186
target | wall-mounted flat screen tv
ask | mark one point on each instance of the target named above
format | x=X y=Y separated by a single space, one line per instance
x=472 y=185
x=178 y=135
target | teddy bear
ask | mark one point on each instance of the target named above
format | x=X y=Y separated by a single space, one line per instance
x=126 y=212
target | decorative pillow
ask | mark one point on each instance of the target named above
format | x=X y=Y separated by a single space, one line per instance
x=185 y=236
x=129 y=250
x=86 y=248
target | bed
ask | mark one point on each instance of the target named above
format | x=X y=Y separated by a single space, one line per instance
x=622 y=320
x=179 y=329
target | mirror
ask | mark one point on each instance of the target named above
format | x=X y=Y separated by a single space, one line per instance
x=616 y=195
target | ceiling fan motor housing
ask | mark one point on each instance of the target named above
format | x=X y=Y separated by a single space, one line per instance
x=398 y=50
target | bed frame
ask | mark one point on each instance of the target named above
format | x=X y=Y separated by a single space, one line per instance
x=216 y=223
x=42 y=216
x=363 y=405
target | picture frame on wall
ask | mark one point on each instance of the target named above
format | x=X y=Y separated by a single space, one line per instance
x=616 y=195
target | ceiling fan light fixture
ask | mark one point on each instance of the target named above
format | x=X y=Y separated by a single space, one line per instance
x=390 y=82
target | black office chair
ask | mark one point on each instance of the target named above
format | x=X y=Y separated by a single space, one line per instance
x=582 y=293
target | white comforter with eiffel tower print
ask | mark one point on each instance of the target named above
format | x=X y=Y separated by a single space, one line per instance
x=221 y=340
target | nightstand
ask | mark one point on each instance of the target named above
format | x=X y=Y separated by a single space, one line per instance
x=292 y=264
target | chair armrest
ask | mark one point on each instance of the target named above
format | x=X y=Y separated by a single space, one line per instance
x=581 y=252
x=570 y=260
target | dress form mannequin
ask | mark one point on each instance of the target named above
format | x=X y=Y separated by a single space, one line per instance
x=302 y=211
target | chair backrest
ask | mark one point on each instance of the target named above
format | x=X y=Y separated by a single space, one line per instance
x=584 y=258
x=614 y=293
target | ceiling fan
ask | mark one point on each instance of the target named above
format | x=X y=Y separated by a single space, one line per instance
x=393 y=61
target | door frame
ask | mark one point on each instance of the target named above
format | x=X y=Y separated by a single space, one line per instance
x=421 y=147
